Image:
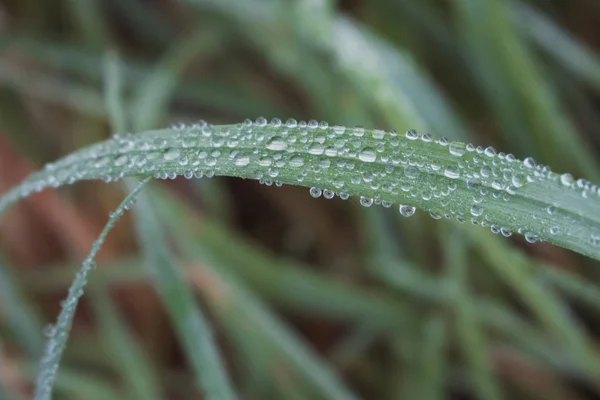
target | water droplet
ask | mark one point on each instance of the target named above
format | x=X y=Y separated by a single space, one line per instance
x=277 y=143
x=328 y=194
x=121 y=160
x=171 y=154
x=291 y=123
x=407 y=211
x=261 y=121
x=241 y=160
x=296 y=161
x=531 y=237
x=367 y=155
x=411 y=134
x=476 y=210
x=489 y=151
x=529 y=162
x=567 y=179
x=457 y=149
x=316 y=149
x=315 y=192
x=366 y=201
x=551 y=210
x=411 y=172
x=451 y=172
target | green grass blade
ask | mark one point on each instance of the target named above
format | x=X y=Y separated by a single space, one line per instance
x=188 y=319
x=242 y=305
x=133 y=365
x=151 y=100
x=557 y=42
x=556 y=136
x=433 y=361
x=113 y=99
x=21 y=318
x=60 y=332
x=515 y=269
x=462 y=182
x=470 y=334
x=389 y=78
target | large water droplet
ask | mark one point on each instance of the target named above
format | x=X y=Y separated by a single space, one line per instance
x=171 y=154
x=367 y=155
x=476 y=210
x=457 y=148
x=407 y=211
x=451 y=172
x=366 y=201
x=315 y=192
x=277 y=143
x=296 y=161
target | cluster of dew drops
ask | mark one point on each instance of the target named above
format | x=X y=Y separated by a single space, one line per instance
x=314 y=151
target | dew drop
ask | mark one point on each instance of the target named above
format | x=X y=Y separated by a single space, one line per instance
x=476 y=210
x=411 y=172
x=489 y=151
x=457 y=149
x=367 y=154
x=241 y=160
x=277 y=143
x=366 y=201
x=407 y=211
x=296 y=161
x=261 y=121
x=567 y=179
x=411 y=134
x=451 y=172
x=315 y=192
x=328 y=194
x=529 y=162
x=171 y=154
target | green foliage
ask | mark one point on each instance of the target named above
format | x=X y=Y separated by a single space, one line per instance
x=348 y=302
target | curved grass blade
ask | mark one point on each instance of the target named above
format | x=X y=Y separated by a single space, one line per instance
x=60 y=332
x=451 y=180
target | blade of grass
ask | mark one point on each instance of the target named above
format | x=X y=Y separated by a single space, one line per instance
x=433 y=358
x=77 y=384
x=234 y=303
x=131 y=362
x=557 y=42
x=190 y=323
x=515 y=269
x=213 y=93
x=471 y=337
x=380 y=72
x=22 y=319
x=556 y=135
x=57 y=341
x=151 y=100
x=445 y=179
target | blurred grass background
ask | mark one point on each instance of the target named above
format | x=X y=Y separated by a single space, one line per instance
x=305 y=298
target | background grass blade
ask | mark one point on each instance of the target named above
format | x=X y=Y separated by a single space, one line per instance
x=190 y=323
x=134 y=365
